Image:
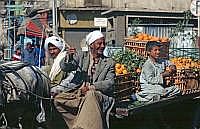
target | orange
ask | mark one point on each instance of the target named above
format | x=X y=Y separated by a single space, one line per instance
x=138 y=70
x=119 y=71
x=125 y=71
x=167 y=69
x=123 y=67
x=117 y=66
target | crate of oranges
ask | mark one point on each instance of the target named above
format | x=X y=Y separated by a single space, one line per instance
x=187 y=77
x=187 y=80
x=186 y=63
x=137 y=43
x=127 y=69
x=125 y=85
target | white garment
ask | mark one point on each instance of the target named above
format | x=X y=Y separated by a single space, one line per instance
x=59 y=43
x=56 y=65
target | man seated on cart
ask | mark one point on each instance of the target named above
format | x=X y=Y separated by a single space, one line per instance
x=152 y=78
x=87 y=105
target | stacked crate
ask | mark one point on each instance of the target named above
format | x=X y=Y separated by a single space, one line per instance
x=139 y=47
x=187 y=80
x=125 y=85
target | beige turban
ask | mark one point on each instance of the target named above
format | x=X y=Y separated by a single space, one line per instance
x=92 y=36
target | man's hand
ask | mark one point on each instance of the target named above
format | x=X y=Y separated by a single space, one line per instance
x=56 y=90
x=172 y=69
x=91 y=87
x=166 y=74
x=71 y=50
x=84 y=88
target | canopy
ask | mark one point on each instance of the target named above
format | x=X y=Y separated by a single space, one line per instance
x=34 y=26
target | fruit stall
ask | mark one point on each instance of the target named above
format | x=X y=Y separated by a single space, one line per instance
x=128 y=68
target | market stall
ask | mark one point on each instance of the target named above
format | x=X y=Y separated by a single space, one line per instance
x=128 y=68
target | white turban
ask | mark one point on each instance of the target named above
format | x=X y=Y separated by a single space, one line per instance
x=92 y=36
x=57 y=41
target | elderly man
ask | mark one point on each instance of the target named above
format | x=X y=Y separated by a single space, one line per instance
x=88 y=105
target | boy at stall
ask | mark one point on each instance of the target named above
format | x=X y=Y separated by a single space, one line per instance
x=152 y=78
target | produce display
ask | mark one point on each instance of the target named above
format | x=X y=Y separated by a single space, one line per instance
x=142 y=37
x=138 y=43
x=128 y=62
x=186 y=63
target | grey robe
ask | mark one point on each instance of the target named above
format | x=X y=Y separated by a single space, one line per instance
x=152 y=82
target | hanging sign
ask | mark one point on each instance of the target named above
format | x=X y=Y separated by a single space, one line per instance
x=100 y=22
x=195 y=7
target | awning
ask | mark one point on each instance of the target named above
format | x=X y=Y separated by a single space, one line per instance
x=35 y=26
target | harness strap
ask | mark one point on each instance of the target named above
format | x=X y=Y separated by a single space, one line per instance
x=13 y=86
x=4 y=121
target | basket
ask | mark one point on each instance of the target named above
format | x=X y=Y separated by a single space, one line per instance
x=187 y=80
x=139 y=47
x=125 y=85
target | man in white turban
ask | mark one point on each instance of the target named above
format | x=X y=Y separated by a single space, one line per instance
x=55 y=47
x=95 y=79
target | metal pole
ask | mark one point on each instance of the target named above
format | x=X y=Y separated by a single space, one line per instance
x=14 y=41
x=8 y=35
x=197 y=12
x=198 y=26
x=54 y=16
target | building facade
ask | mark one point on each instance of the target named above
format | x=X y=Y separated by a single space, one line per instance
x=75 y=18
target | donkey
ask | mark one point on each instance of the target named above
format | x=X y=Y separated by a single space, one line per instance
x=24 y=96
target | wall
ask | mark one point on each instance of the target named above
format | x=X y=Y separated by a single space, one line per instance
x=74 y=33
x=120 y=29
x=169 y=5
x=85 y=19
x=74 y=3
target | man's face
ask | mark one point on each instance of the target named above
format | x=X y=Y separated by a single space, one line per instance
x=18 y=51
x=29 y=46
x=53 y=50
x=155 y=52
x=98 y=46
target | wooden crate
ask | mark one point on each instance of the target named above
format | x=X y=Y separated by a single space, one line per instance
x=187 y=80
x=125 y=85
x=140 y=48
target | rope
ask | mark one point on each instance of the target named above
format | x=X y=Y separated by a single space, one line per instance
x=4 y=121
x=28 y=91
x=36 y=95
